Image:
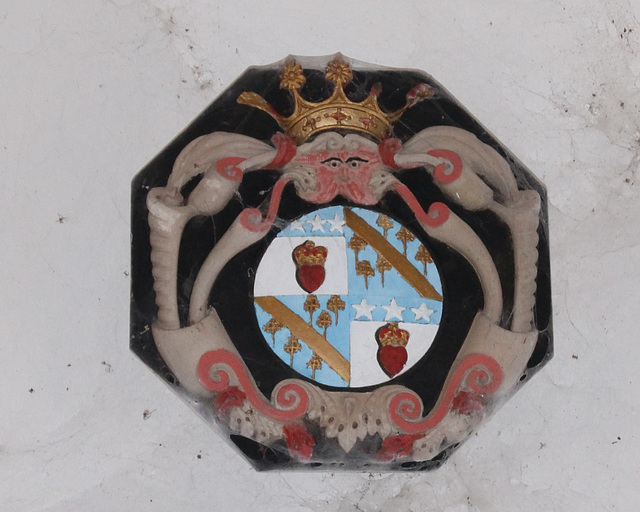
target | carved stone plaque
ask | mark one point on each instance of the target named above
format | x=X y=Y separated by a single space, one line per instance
x=337 y=266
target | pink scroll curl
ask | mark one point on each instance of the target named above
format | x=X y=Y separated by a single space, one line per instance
x=440 y=172
x=228 y=168
x=479 y=372
x=438 y=212
x=291 y=401
x=251 y=218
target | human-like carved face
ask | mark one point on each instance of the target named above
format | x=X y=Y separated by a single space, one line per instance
x=334 y=165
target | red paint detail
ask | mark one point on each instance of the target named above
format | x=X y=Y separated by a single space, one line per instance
x=339 y=116
x=228 y=168
x=439 y=173
x=287 y=149
x=299 y=442
x=392 y=359
x=310 y=277
x=467 y=403
x=276 y=196
x=232 y=396
x=419 y=91
x=438 y=213
x=291 y=400
x=251 y=218
x=480 y=372
x=274 y=113
x=388 y=149
x=394 y=447
x=436 y=216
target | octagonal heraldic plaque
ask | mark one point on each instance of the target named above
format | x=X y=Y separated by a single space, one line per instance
x=337 y=266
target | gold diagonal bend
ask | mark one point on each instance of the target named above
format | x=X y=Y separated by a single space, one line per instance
x=303 y=331
x=404 y=267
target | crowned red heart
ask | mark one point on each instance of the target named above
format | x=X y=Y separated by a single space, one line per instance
x=392 y=354
x=309 y=260
x=392 y=359
x=310 y=277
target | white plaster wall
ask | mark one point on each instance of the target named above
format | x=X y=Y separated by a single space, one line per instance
x=90 y=90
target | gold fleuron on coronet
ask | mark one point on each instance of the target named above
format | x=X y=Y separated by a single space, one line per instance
x=336 y=112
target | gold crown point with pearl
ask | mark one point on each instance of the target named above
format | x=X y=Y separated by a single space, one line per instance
x=336 y=112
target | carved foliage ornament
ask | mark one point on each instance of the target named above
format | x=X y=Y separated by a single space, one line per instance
x=337 y=266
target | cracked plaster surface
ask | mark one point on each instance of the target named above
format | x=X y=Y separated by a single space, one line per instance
x=91 y=90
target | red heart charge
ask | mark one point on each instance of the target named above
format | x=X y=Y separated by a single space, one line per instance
x=392 y=359
x=310 y=277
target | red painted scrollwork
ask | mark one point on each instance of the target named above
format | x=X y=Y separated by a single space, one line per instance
x=214 y=371
x=480 y=373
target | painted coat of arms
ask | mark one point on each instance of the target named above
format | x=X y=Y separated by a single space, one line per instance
x=338 y=266
x=357 y=266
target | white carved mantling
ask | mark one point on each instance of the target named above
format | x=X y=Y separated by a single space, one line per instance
x=348 y=416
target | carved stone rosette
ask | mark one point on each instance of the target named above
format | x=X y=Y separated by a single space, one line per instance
x=211 y=210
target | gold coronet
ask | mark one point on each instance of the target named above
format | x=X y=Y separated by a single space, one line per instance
x=336 y=112
x=310 y=254
x=391 y=334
